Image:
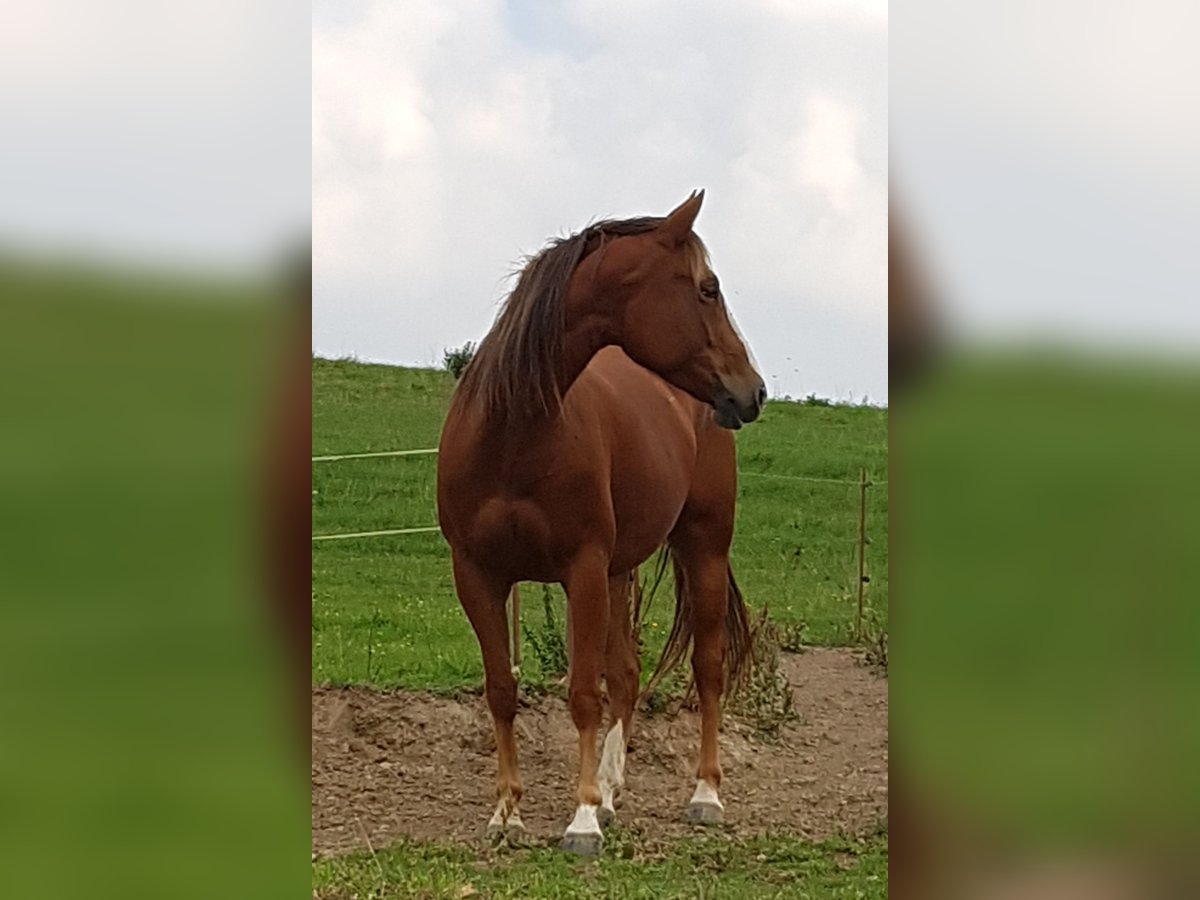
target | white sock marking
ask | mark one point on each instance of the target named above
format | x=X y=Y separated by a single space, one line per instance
x=612 y=765
x=585 y=821
x=606 y=798
x=705 y=793
x=612 y=760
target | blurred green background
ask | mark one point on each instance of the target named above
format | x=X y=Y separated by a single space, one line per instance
x=1046 y=672
x=144 y=750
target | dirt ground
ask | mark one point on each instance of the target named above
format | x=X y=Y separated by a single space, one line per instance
x=393 y=764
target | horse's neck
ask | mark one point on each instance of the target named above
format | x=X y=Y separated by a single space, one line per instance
x=588 y=327
x=580 y=344
x=583 y=337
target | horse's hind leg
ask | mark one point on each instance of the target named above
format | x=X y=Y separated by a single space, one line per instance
x=483 y=598
x=587 y=594
x=621 y=673
x=704 y=563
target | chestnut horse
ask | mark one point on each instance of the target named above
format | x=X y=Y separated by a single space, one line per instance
x=593 y=426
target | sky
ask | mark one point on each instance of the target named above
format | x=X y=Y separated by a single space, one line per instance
x=451 y=138
x=1046 y=152
x=160 y=133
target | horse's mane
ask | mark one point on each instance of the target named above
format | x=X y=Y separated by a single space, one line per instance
x=515 y=365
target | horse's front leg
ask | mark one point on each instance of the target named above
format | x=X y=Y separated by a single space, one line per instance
x=587 y=597
x=483 y=599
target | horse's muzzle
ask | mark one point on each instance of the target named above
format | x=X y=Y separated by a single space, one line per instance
x=735 y=408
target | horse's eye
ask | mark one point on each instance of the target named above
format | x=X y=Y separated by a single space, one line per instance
x=710 y=290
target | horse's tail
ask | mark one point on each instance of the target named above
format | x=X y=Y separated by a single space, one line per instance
x=738 y=638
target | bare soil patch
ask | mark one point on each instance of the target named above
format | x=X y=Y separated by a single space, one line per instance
x=387 y=765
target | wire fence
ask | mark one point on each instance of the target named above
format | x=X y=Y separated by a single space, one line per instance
x=341 y=456
x=337 y=457
x=864 y=482
x=424 y=529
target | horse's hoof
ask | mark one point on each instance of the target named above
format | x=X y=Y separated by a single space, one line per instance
x=512 y=831
x=606 y=816
x=583 y=843
x=704 y=814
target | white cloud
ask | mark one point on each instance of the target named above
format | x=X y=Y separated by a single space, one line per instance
x=825 y=154
x=450 y=138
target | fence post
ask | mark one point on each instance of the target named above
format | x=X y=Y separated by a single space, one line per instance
x=516 y=630
x=864 y=482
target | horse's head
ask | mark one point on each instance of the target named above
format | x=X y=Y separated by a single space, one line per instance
x=672 y=317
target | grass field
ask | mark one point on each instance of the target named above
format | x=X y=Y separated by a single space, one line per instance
x=710 y=866
x=384 y=609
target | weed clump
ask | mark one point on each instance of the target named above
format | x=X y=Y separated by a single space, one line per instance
x=547 y=640
x=457 y=360
x=876 y=640
x=791 y=636
x=671 y=694
x=764 y=700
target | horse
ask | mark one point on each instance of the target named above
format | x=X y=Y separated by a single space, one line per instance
x=593 y=427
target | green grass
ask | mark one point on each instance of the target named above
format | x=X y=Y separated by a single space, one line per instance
x=384 y=608
x=710 y=866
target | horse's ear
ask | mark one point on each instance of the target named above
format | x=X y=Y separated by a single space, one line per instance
x=676 y=227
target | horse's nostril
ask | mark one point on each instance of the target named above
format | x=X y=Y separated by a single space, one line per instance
x=762 y=394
